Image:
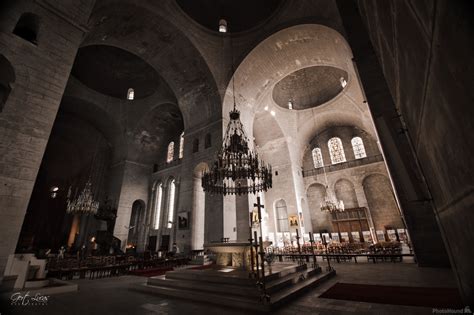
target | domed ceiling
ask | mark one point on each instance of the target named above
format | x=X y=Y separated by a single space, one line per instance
x=240 y=15
x=112 y=71
x=309 y=87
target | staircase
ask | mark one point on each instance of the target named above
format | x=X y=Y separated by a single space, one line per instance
x=231 y=287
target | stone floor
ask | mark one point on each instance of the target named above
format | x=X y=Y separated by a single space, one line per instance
x=112 y=296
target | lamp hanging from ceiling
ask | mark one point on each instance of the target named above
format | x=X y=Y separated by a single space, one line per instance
x=330 y=203
x=237 y=169
x=84 y=203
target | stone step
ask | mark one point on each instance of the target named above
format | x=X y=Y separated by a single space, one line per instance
x=300 y=287
x=289 y=279
x=244 y=290
x=201 y=296
x=210 y=287
x=230 y=298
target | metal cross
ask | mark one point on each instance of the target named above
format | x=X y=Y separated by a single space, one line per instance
x=259 y=207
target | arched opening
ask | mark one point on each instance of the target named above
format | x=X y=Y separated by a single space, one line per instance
x=27 y=27
x=207 y=141
x=199 y=208
x=336 y=150
x=345 y=191
x=171 y=203
x=320 y=220
x=181 y=145
x=135 y=225
x=382 y=204
x=317 y=158
x=158 y=205
x=170 y=153
x=195 y=145
x=7 y=77
x=358 y=148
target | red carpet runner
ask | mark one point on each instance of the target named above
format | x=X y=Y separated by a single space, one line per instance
x=413 y=296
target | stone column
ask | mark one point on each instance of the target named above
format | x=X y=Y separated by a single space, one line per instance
x=243 y=217
x=41 y=73
x=134 y=186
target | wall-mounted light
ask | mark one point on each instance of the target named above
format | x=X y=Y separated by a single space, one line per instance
x=266 y=107
x=272 y=113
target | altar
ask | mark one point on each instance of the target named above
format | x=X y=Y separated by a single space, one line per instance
x=235 y=254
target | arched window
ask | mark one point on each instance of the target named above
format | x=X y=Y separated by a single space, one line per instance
x=207 y=141
x=358 y=147
x=130 y=94
x=317 y=158
x=170 y=155
x=171 y=197
x=158 y=197
x=281 y=216
x=336 y=150
x=195 y=145
x=7 y=77
x=181 y=145
x=27 y=27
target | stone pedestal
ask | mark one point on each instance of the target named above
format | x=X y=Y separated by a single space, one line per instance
x=21 y=265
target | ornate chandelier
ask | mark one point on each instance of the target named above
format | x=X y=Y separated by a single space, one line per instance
x=237 y=170
x=330 y=202
x=84 y=203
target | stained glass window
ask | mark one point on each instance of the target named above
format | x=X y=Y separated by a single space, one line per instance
x=358 y=147
x=336 y=150
x=170 y=155
x=181 y=146
x=317 y=158
x=158 y=197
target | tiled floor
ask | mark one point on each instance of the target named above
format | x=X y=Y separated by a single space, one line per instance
x=112 y=295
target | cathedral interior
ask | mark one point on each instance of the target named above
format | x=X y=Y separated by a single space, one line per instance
x=232 y=157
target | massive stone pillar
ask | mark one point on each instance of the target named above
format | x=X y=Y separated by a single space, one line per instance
x=421 y=101
x=132 y=184
x=41 y=68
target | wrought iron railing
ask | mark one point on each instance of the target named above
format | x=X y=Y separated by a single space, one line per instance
x=344 y=165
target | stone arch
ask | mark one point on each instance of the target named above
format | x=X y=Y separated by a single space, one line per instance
x=321 y=221
x=137 y=221
x=345 y=191
x=199 y=208
x=7 y=79
x=381 y=201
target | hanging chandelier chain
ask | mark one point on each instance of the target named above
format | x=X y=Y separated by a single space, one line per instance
x=237 y=169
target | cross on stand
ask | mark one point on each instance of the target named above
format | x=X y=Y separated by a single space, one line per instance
x=264 y=297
